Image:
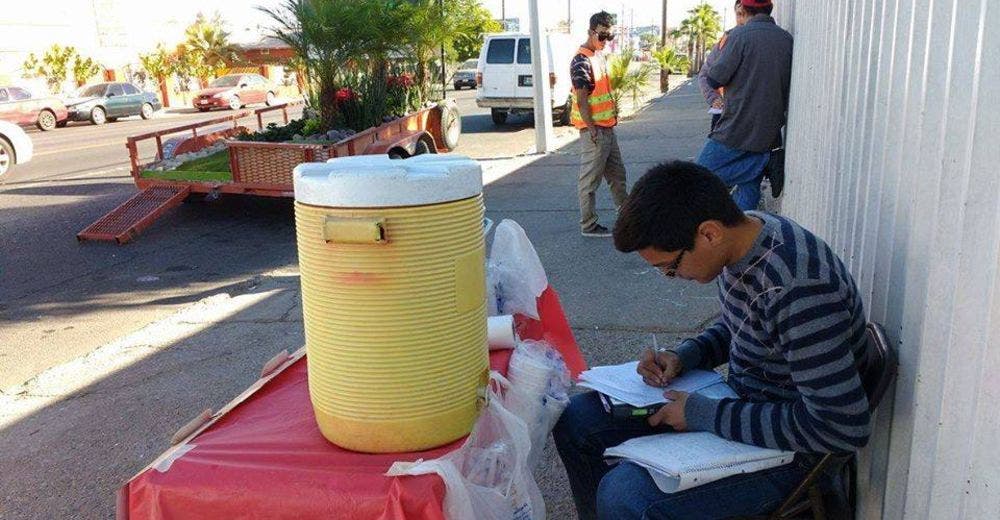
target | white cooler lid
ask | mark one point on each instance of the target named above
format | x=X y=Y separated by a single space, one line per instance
x=375 y=181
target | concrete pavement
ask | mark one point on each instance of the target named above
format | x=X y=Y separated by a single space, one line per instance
x=70 y=436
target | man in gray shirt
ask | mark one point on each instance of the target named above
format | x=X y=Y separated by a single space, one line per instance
x=755 y=68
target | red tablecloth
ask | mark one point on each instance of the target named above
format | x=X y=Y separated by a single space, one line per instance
x=266 y=458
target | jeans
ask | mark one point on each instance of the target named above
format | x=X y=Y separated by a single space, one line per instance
x=600 y=159
x=738 y=168
x=626 y=491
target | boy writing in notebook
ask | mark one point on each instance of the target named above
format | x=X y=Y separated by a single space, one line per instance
x=792 y=330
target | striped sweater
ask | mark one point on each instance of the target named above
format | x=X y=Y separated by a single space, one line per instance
x=792 y=329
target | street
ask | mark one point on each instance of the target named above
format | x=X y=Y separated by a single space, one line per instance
x=106 y=350
x=60 y=299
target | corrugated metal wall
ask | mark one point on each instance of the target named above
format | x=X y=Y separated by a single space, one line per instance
x=894 y=158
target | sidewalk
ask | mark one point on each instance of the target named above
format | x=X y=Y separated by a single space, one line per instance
x=72 y=435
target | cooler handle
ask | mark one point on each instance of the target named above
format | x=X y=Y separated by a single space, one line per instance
x=343 y=230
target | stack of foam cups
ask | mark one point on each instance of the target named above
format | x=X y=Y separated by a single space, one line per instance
x=535 y=395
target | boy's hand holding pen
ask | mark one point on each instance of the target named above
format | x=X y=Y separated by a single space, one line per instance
x=658 y=367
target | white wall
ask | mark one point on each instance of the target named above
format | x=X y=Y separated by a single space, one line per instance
x=894 y=158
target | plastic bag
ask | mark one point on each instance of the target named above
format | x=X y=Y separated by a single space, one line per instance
x=514 y=273
x=539 y=391
x=488 y=477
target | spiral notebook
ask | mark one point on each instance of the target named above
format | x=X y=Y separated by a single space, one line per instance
x=679 y=461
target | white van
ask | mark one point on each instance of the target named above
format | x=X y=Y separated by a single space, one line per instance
x=505 y=75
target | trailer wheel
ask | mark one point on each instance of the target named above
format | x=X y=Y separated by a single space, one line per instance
x=451 y=125
x=421 y=148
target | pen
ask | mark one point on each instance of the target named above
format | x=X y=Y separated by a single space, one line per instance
x=655 y=349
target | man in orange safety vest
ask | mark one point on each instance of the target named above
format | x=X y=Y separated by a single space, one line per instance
x=595 y=114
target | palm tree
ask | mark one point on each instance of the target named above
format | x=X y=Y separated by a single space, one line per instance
x=345 y=43
x=209 y=46
x=687 y=32
x=671 y=62
x=314 y=31
x=627 y=81
x=704 y=26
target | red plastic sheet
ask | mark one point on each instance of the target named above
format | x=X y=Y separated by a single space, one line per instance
x=267 y=459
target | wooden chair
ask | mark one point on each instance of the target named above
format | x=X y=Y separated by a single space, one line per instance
x=876 y=379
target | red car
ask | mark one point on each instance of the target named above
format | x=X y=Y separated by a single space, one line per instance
x=234 y=91
x=18 y=106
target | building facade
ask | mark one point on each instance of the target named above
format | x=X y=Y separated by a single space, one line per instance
x=893 y=157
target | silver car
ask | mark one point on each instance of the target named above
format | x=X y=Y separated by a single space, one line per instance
x=466 y=75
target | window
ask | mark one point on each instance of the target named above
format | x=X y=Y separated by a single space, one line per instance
x=225 y=81
x=130 y=89
x=93 y=90
x=18 y=94
x=501 y=51
x=524 y=50
x=3 y=95
x=116 y=90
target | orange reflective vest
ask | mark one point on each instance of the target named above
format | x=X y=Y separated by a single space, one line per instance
x=602 y=105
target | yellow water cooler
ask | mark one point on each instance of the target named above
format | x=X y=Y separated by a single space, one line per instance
x=392 y=260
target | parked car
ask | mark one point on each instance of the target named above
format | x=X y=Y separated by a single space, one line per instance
x=506 y=85
x=18 y=106
x=15 y=147
x=466 y=75
x=234 y=91
x=105 y=102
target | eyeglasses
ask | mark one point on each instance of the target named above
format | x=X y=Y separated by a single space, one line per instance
x=605 y=36
x=670 y=270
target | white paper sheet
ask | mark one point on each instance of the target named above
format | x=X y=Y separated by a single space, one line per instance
x=623 y=383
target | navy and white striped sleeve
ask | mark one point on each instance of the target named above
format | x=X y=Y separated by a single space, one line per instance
x=581 y=73
x=814 y=327
x=706 y=350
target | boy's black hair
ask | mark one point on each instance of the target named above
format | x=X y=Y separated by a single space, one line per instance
x=602 y=18
x=753 y=11
x=668 y=204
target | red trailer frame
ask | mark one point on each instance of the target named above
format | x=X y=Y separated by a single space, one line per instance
x=260 y=168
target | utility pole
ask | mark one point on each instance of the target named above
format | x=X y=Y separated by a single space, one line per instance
x=444 y=74
x=569 y=17
x=503 y=14
x=664 y=74
x=544 y=138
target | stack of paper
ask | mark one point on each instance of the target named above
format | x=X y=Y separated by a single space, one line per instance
x=679 y=461
x=623 y=383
